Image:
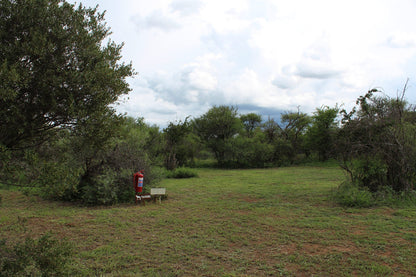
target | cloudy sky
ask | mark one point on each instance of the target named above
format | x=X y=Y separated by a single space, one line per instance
x=263 y=56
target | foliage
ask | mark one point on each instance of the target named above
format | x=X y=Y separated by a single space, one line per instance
x=376 y=144
x=283 y=153
x=251 y=122
x=58 y=181
x=182 y=172
x=93 y=164
x=59 y=71
x=251 y=152
x=293 y=129
x=178 y=149
x=216 y=128
x=251 y=142
x=109 y=166
x=42 y=257
x=271 y=130
x=145 y=139
x=108 y=188
x=54 y=70
x=351 y=195
x=370 y=173
x=321 y=135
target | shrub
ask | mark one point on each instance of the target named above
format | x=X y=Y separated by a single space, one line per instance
x=351 y=195
x=110 y=187
x=182 y=172
x=42 y=257
x=370 y=173
x=376 y=142
x=251 y=152
x=58 y=181
x=387 y=196
x=283 y=152
x=101 y=190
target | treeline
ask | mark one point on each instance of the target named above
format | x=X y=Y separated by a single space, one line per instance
x=375 y=144
x=236 y=140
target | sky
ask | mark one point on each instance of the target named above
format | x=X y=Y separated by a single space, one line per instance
x=261 y=56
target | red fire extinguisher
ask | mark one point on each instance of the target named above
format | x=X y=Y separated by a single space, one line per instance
x=138 y=181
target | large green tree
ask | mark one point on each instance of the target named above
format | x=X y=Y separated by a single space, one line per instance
x=292 y=130
x=217 y=127
x=57 y=67
x=321 y=135
x=251 y=121
x=175 y=136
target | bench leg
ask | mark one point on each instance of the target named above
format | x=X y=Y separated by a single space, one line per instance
x=141 y=201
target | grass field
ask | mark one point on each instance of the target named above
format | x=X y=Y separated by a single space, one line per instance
x=260 y=222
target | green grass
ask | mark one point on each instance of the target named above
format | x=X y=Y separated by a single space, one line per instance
x=259 y=222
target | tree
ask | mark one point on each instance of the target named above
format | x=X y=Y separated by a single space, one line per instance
x=271 y=130
x=175 y=135
x=55 y=70
x=59 y=76
x=293 y=129
x=377 y=143
x=217 y=127
x=321 y=134
x=249 y=152
x=94 y=163
x=92 y=139
x=251 y=121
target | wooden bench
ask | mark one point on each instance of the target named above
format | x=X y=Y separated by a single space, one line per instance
x=155 y=193
x=140 y=197
x=158 y=193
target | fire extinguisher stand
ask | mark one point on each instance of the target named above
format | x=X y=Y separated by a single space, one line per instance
x=138 y=185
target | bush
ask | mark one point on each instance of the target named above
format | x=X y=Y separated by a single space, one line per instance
x=58 y=181
x=351 y=195
x=182 y=172
x=251 y=152
x=370 y=173
x=376 y=142
x=205 y=163
x=389 y=197
x=101 y=189
x=42 y=257
x=283 y=152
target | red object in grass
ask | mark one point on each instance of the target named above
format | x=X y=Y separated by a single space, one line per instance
x=138 y=181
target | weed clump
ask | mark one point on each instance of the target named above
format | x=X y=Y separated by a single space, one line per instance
x=349 y=194
x=42 y=257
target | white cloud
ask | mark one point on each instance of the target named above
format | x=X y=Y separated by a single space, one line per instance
x=270 y=54
x=200 y=80
x=157 y=20
x=194 y=83
x=402 y=40
x=186 y=7
x=316 y=70
x=286 y=79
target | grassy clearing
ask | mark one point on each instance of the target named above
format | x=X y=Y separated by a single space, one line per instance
x=260 y=222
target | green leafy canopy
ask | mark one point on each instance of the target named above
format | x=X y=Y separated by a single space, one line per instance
x=56 y=67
